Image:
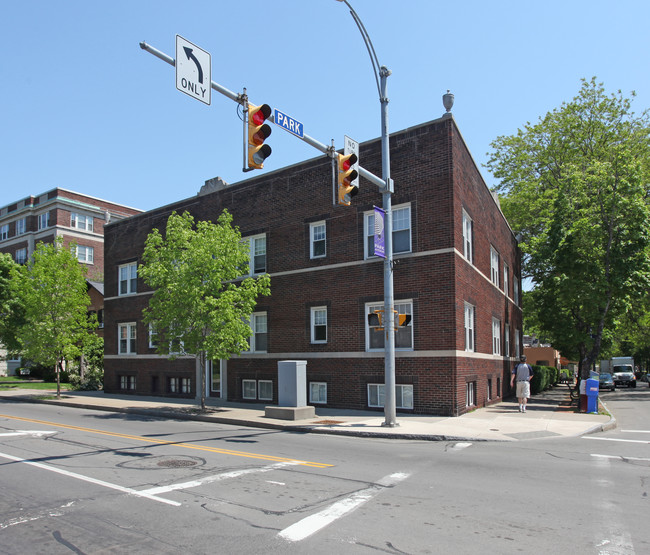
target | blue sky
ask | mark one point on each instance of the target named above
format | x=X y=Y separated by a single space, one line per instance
x=84 y=108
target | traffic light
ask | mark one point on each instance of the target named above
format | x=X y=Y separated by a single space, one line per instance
x=403 y=320
x=258 y=131
x=347 y=174
x=374 y=319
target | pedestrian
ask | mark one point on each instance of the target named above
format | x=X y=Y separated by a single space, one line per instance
x=523 y=373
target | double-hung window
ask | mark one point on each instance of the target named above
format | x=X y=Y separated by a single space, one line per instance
x=85 y=254
x=375 y=333
x=21 y=256
x=258 y=342
x=470 y=320
x=21 y=226
x=257 y=389
x=257 y=254
x=403 y=395
x=4 y=232
x=515 y=287
x=506 y=340
x=496 y=336
x=468 y=246
x=79 y=221
x=401 y=230
x=44 y=220
x=506 y=279
x=317 y=240
x=128 y=278
x=494 y=266
x=318 y=392
x=319 y=324
x=127 y=338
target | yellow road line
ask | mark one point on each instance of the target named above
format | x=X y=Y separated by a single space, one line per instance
x=161 y=442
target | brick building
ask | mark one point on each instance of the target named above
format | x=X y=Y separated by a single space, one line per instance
x=456 y=274
x=60 y=213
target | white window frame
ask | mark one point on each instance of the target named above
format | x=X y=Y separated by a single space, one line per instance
x=470 y=328
x=21 y=226
x=130 y=279
x=21 y=256
x=496 y=336
x=4 y=232
x=265 y=390
x=81 y=221
x=318 y=393
x=517 y=344
x=246 y=389
x=44 y=220
x=468 y=243
x=259 y=325
x=317 y=236
x=318 y=320
x=256 y=249
x=85 y=254
x=404 y=334
x=153 y=337
x=180 y=385
x=506 y=338
x=131 y=338
x=402 y=225
x=494 y=266
x=128 y=382
x=403 y=395
x=515 y=286
x=506 y=279
x=470 y=394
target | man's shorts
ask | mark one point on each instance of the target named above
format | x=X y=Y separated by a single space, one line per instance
x=523 y=390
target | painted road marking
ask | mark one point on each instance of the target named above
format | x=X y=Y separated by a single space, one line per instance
x=184 y=445
x=617 y=439
x=90 y=480
x=312 y=524
x=32 y=433
x=215 y=478
x=620 y=458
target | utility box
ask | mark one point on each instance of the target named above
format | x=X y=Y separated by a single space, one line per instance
x=292 y=392
x=591 y=390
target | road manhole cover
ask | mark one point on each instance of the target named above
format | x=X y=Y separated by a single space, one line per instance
x=176 y=463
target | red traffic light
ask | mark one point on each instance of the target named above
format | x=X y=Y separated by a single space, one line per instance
x=258 y=132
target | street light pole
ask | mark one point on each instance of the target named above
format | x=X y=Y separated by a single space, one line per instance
x=381 y=76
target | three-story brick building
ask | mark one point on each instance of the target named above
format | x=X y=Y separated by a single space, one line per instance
x=456 y=273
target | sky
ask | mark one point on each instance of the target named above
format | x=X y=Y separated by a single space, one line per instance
x=84 y=108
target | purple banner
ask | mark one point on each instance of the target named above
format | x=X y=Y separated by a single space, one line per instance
x=379 y=232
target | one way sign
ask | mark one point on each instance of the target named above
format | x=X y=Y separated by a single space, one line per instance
x=193 y=70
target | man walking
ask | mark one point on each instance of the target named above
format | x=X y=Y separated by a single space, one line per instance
x=523 y=373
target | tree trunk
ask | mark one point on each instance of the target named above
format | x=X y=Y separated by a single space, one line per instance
x=202 y=378
x=59 y=367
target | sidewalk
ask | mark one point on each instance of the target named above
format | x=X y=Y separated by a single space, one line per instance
x=548 y=416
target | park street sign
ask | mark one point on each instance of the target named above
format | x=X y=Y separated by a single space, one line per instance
x=193 y=70
x=288 y=123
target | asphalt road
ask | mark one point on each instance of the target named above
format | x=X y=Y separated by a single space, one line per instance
x=79 y=481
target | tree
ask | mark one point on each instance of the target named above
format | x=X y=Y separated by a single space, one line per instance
x=200 y=301
x=53 y=292
x=11 y=311
x=575 y=186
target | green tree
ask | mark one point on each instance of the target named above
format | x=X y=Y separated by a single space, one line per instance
x=575 y=186
x=200 y=301
x=53 y=292
x=11 y=311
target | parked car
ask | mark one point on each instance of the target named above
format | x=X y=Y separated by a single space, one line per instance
x=606 y=381
x=626 y=378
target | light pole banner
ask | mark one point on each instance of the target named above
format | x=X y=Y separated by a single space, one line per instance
x=379 y=232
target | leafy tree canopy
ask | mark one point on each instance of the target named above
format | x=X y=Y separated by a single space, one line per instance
x=575 y=187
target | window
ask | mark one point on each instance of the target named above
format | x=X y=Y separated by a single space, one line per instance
x=489 y=389
x=21 y=256
x=318 y=392
x=80 y=221
x=85 y=254
x=257 y=250
x=319 y=324
x=470 y=319
x=468 y=246
x=403 y=395
x=20 y=226
x=4 y=232
x=506 y=279
x=127 y=382
x=517 y=344
x=259 y=340
x=494 y=266
x=496 y=336
x=265 y=389
x=401 y=231
x=127 y=337
x=128 y=279
x=180 y=385
x=506 y=333
x=317 y=237
x=403 y=335
x=249 y=389
x=470 y=394
x=515 y=287
x=153 y=337
x=44 y=220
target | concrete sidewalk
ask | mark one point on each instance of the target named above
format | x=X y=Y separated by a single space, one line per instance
x=548 y=415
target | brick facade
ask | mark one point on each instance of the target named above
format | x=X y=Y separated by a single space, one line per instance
x=436 y=181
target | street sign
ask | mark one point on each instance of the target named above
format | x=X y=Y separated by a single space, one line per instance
x=288 y=123
x=193 y=70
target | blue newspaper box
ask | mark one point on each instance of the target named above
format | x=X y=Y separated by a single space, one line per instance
x=591 y=390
